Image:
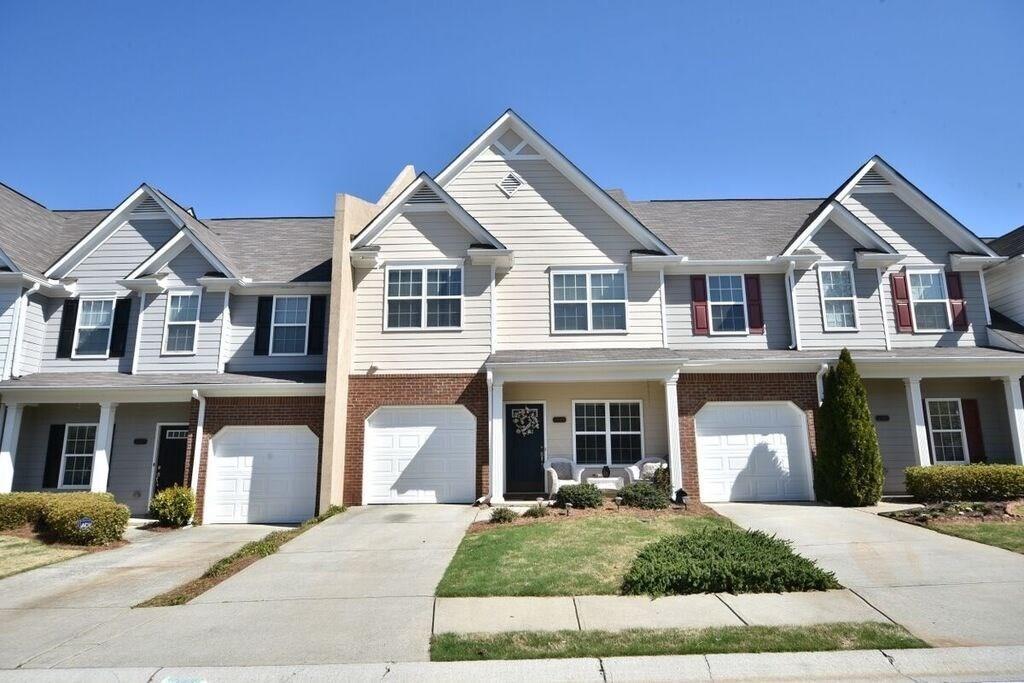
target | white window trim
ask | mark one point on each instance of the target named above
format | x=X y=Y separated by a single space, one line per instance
x=711 y=317
x=182 y=291
x=962 y=430
x=64 y=456
x=274 y=325
x=423 y=267
x=590 y=298
x=837 y=267
x=945 y=292
x=78 y=328
x=607 y=431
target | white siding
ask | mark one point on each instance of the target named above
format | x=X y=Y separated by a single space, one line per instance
x=8 y=305
x=34 y=335
x=242 y=337
x=679 y=312
x=549 y=222
x=1006 y=289
x=422 y=236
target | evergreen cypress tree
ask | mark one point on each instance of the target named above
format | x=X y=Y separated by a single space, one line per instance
x=848 y=470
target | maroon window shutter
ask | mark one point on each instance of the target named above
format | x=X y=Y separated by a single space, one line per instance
x=755 y=312
x=955 y=291
x=901 y=301
x=699 y=305
x=972 y=426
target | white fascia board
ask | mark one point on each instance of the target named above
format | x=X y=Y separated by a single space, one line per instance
x=272 y=288
x=397 y=207
x=877 y=368
x=512 y=121
x=499 y=258
x=583 y=371
x=145 y=285
x=921 y=203
x=365 y=257
x=964 y=262
x=52 y=288
x=766 y=265
x=849 y=223
x=757 y=365
x=162 y=256
x=652 y=263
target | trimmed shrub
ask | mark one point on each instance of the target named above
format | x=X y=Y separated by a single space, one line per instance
x=84 y=519
x=663 y=480
x=848 y=470
x=19 y=509
x=174 y=506
x=644 y=494
x=580 y=495
x=503 y=516
x=966 y=482
x=722 y=560
x=538 y=510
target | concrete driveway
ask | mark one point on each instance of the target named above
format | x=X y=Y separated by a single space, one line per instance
x=946 y=590
x=356 y=588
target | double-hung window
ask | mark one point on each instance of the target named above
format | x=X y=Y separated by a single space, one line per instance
x=607 y=432
x=929 y=303
x=728 y=303
x=946 y=430
x=93 y=328
x=289 y=330
x=838 y=300
x=76 y=456
x=423 y=297
x=590 y=301
x=181 y=321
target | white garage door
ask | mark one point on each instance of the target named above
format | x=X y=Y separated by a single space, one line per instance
x=753 y=451
x=421 y=454
x=261 y=475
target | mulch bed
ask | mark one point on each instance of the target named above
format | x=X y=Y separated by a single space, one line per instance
x=157 y=527
x=609 y=509
x=1004 y=511
x=26 y=531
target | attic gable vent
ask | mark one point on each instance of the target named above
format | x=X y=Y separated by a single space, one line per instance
x=148 y=205
x=873 y=179
x=510 y=184
x=424 y=195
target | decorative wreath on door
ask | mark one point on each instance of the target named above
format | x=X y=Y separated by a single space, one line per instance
x=526 y=420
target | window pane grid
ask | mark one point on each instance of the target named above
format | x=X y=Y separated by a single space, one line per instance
x=947 y=431
x=290 y=323
x=419 y=298
x=584 y=302
x=95 y=319
x=608 y=433
x=928 y=295
x=79 y=445
x=727 y=302
x=838 y=299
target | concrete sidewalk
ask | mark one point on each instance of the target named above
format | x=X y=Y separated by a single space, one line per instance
x=944 y=664
x=620 y=612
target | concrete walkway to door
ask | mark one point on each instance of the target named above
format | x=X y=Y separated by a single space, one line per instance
x=358 y=587
x=946 y=590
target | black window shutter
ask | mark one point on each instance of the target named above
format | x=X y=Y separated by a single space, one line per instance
x=264 y=310
x=317 y=313
x=119 y=333
x=54 y=450
x=66 y=336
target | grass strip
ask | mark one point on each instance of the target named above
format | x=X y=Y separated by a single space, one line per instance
x=22 y=554
x=1007 y=535
x=234 y=563
x=454 y=647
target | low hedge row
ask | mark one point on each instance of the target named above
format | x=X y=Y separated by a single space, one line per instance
x=966 y=482
x=80 y=518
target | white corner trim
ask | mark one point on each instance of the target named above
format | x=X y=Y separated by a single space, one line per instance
x=225 y=328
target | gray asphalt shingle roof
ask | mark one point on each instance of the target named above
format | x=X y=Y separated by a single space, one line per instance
x=1010 y=244
x=29 y=232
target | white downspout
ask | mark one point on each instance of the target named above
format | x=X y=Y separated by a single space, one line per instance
x=794 y=323
x=819 y=379
x=197 y=446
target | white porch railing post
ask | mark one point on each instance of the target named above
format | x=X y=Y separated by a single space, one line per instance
x=101 y=454
x=918 y=425
x=1015 y=407
x=9 y=444
x=497 y=445
x=675 y=455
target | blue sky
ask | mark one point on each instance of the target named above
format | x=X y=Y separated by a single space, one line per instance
x=270 y=108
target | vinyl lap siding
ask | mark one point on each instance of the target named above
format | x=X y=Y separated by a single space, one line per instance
x=679 y=314
x=242 y=337
x=1006 y=289
x=549 y=222
x=128 y=247
x=422 y=236
x=35 y=434
x=34 y=335
x=50 y=363
x=131 y=467
x=8 y=307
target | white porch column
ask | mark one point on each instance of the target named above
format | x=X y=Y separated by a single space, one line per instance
x=1015 y=406
x=9 y=444
x=675 y=455
x=497 y=445
x=101 y=454
x=918 y=425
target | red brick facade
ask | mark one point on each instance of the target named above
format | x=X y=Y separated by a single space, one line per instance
x=366 y=394
x=696 y=390
x=251 y=410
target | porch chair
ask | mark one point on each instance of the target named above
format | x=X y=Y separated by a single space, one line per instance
x=559 y=472
x=644 y=469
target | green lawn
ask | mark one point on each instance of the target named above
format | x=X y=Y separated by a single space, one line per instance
x=21 y=554
x=583 y=556
x=449 y=647
x=1009 y=535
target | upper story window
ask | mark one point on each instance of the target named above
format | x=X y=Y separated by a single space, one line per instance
x=289 y=328
x=93 y=328
x=588 y=301
x=424 y=297
x=929 y=302
x=607 y=432
x=181 y=321
x=728 y=303
x=838 y=300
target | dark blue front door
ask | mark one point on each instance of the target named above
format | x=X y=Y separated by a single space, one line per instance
x=524 y=448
